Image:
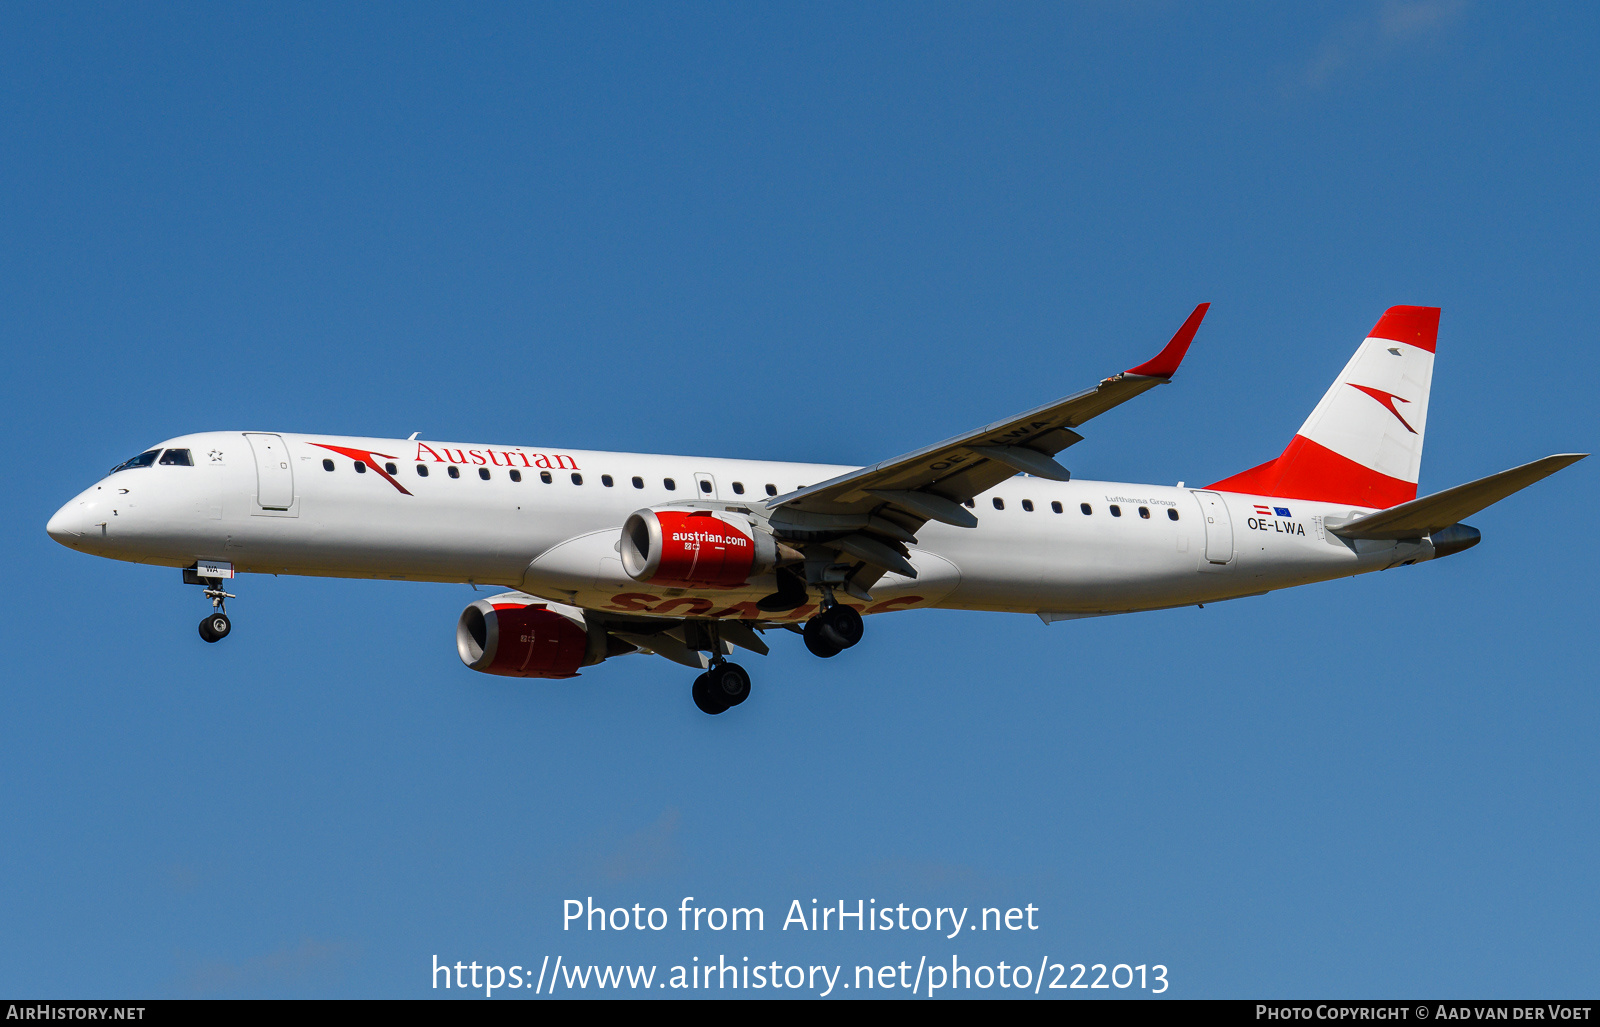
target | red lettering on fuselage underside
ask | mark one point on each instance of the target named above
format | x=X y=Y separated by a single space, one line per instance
x=632 y=602
x=889 y=605
x=697 y=607
x=684 y=606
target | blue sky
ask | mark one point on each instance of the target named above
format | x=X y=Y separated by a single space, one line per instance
x=830 y=232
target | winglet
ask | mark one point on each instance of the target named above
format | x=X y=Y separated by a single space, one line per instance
x=1165 y=364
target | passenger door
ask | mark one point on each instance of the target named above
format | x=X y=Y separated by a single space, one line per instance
x=274 y=476
x=1219 y=531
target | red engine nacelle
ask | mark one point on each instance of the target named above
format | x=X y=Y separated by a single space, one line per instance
x=523 y=637
x=676 y=548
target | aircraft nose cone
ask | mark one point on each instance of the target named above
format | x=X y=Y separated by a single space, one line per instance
x=68 y=523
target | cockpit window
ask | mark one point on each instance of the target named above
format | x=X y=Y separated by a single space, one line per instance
x=144 y=459
x=176 y=458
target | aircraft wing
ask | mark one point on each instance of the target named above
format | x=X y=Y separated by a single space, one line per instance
x=932 y=483
x=1424 y=516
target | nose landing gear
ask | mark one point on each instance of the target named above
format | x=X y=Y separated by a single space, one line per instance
x=215 y=626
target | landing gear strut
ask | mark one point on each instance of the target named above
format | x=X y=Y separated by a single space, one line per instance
x=216 y=625
x=835 y=629
x=724 y=686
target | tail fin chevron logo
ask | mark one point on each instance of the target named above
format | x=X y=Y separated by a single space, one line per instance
x=1388 y=399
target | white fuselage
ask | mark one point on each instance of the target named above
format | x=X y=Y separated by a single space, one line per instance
x=265 y=503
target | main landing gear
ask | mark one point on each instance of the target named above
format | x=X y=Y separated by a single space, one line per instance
x=216 y=625
x=835 y=629
x=724 y=686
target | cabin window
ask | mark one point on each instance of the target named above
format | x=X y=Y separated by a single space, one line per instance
x=1056 y=507
x=544 y=476
x=1086 y=508
x=638 y=482
x=1116 y=511
x=176 y=458
x=738 y=488
x=669 y=484
x=606 y=480
x=390 y=467
x=1027 y=504
x=1172 y=514
x=1144 y=512
x=483 y=472
x=144 y=459
x=453 y=471
x=999 y=504
x=971 y=505
x=327 y=465
x=361 y=468
x=515 y=475
x=772 y=490
x=577 y=479
x=422 y=470
x=705 y=486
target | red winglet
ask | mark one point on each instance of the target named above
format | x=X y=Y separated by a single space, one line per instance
x=1165 y=364
x=1418 y=326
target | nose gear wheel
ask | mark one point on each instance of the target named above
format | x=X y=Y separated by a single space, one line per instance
x=215 y=627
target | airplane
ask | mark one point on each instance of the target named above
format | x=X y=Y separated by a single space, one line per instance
x=610 y=554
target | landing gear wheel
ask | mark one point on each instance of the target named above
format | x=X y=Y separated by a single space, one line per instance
x=704 y=698
x=729 y=683
x=841 y=625
x=215 y=627
x=816 y=642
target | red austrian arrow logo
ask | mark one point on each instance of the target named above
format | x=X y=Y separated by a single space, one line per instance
x=1388 y=399
x=366 y=457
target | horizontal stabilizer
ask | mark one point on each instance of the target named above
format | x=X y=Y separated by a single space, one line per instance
x=1432 y=513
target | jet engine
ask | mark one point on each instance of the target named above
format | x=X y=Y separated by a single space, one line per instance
x=522 y=637
x=677 y=548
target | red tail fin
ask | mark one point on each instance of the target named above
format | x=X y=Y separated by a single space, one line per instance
x=1362 y=445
